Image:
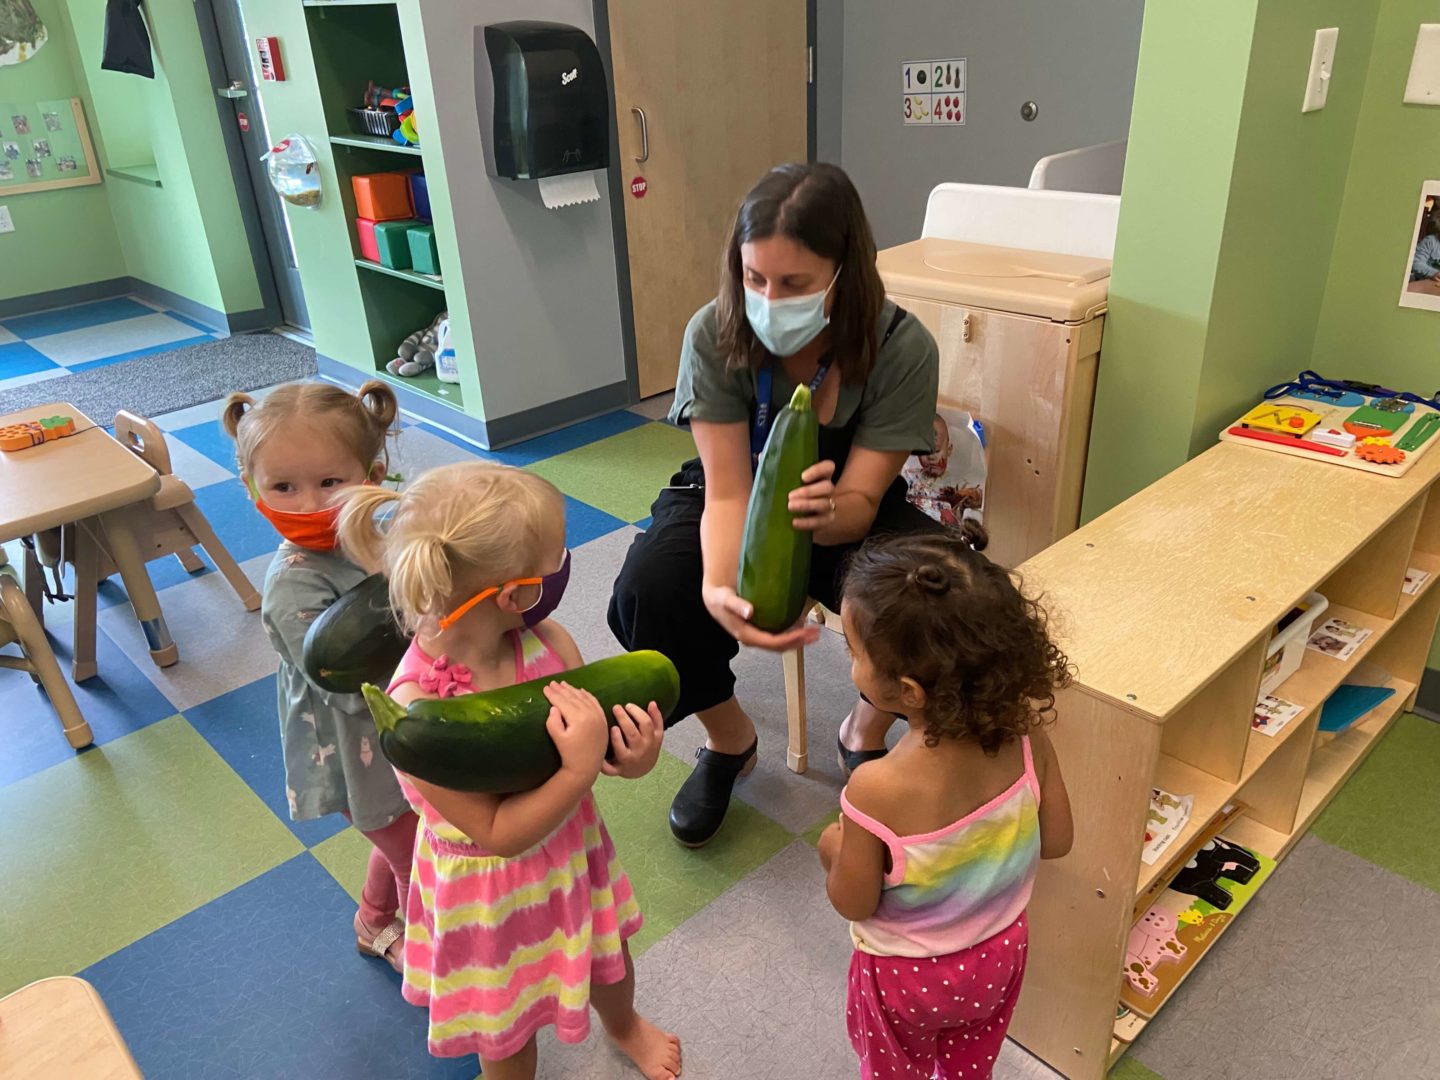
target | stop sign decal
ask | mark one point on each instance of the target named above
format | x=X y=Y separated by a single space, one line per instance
x=638 y=187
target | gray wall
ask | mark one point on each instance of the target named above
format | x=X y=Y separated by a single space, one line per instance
x=539 y=285
x=1075 y=59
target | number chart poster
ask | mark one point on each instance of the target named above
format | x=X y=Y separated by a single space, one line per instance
x=933 y=92
x=44 y=144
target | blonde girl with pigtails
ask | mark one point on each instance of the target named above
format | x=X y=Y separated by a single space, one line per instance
x=521 y=910
x=298 y=450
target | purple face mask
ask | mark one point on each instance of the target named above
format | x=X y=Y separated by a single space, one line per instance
x=552 y=590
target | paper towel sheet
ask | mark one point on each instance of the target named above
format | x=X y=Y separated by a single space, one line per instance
x=568 y=190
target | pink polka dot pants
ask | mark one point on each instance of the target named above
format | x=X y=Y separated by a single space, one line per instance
x=937 y=1016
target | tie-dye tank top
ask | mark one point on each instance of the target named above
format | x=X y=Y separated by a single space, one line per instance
x=953 y=888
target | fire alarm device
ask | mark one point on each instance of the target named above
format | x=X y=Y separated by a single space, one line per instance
x=272 y=68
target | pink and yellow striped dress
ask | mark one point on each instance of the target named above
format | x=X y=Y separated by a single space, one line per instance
x=498 y=948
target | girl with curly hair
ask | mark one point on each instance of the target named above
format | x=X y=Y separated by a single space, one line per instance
x=935 y=853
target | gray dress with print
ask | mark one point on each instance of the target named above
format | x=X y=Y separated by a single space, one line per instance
x=332 y=753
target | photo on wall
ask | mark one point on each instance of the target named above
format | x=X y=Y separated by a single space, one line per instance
x=1422 y=270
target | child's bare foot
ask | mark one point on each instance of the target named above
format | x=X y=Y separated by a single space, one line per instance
x=655 y=1053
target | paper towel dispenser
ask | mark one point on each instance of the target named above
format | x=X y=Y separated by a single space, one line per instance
x=541 y=88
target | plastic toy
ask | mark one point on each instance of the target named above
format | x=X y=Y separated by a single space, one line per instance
x=1281 y=419
x=1379 y=452
x=1284 y=440
x=416 y=353
x=1343 y=440
x=1419 y=432
x=22 y=436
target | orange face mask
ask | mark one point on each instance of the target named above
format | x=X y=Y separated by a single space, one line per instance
x=315 y=530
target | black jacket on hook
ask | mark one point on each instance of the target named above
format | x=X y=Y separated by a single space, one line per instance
x=127 y=42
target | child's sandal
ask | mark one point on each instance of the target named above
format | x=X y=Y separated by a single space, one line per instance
x=380 y=944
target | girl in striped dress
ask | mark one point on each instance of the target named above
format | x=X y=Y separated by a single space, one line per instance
x=519 y=910
x=935 y=853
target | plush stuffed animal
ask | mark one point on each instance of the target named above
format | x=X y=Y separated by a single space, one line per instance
x=416 y=353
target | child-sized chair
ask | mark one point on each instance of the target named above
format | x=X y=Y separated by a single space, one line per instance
x=797 y=754
x=169 y=524
x=19 y=625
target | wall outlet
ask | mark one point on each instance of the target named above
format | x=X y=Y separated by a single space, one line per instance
x=6 y=224
x=1322 y=60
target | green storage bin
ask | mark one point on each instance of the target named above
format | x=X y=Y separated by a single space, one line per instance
x=423 y=256
x=393 y=243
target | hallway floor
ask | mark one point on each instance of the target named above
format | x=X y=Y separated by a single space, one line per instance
x=162 y=866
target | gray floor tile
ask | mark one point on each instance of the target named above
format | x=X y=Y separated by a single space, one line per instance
x=1329 y=974
x=654 y=408
x=195 y=468
x=416 y=450
x=222 y=646
x=754 y=985
x=582 y=612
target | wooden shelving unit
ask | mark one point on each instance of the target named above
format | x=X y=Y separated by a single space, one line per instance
x=1165 y=605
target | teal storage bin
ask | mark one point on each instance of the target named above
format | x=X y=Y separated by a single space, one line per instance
x=393 y=242
x=423 y=255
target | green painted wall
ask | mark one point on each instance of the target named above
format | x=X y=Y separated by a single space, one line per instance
x=66 y=237
x=1228 y=217
x=1363 y=331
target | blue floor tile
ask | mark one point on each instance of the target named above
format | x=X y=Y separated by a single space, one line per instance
x=135 y=354
x=584 y=523
x=209 y=439
x=265 y=982
x=18 y=359
x=546 y=446
x=211 y=331
x=234 y=518
x=643 y=524
x=76 y=318
x=117 y=701
x=244 y=729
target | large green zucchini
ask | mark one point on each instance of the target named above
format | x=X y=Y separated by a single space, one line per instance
x=496 y=741
x=355 y=640
x=774 y=572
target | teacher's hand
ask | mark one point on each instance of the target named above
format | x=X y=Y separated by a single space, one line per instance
x=814 y=504
x=733 y=614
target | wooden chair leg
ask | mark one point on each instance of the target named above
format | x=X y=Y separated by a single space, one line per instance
x=34 y=575
x=87 y=569
x=42 y=660
x=189 y=560
x=797 y=756
x=199 y=527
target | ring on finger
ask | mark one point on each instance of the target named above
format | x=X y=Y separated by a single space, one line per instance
x=832 y=506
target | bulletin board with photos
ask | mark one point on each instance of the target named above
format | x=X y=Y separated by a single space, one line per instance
x=45 y=145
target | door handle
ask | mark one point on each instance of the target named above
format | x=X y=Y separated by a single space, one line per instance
x=235 y=90
x=644 y=136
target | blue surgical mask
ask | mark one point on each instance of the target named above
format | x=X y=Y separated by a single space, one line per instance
x=787 y=326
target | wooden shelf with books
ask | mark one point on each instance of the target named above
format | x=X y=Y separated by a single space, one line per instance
x=1166 y=605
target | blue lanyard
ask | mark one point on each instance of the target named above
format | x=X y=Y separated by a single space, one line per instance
x=760 y=425
x=1310 y=382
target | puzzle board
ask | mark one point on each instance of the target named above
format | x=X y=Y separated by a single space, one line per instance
x=1334 y=416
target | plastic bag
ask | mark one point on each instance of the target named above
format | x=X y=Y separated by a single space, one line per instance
x=294 y=174
x=949 y=485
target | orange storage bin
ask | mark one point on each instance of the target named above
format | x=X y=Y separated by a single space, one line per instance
x=383 y=196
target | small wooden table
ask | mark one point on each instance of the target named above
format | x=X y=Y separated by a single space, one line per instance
x=88 y=480
x=59 y=1028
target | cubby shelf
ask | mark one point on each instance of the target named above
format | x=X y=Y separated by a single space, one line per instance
x=375 y=142
x=405 y=275
x=1165 y=605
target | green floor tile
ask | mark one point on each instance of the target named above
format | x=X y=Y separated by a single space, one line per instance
x=622 y=474
x=1127 y=1068
x=673 y=882
x=1386 y=813
x=812 y=834
x=104 y=849
x=346 y=856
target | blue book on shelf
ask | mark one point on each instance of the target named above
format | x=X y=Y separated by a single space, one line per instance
x=1348 y=703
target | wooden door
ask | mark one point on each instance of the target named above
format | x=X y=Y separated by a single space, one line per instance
x=722 y=86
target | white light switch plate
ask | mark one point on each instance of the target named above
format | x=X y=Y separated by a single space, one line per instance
x=6 y=225
x=1423 y=86
x=1322 y=61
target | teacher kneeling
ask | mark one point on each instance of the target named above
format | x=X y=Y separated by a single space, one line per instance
x=800 y=303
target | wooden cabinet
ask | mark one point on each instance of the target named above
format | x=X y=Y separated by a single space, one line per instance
x=1019 y=338
x=1165 y=605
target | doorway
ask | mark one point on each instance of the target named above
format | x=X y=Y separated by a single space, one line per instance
x=709 y=94
x=231 y=55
